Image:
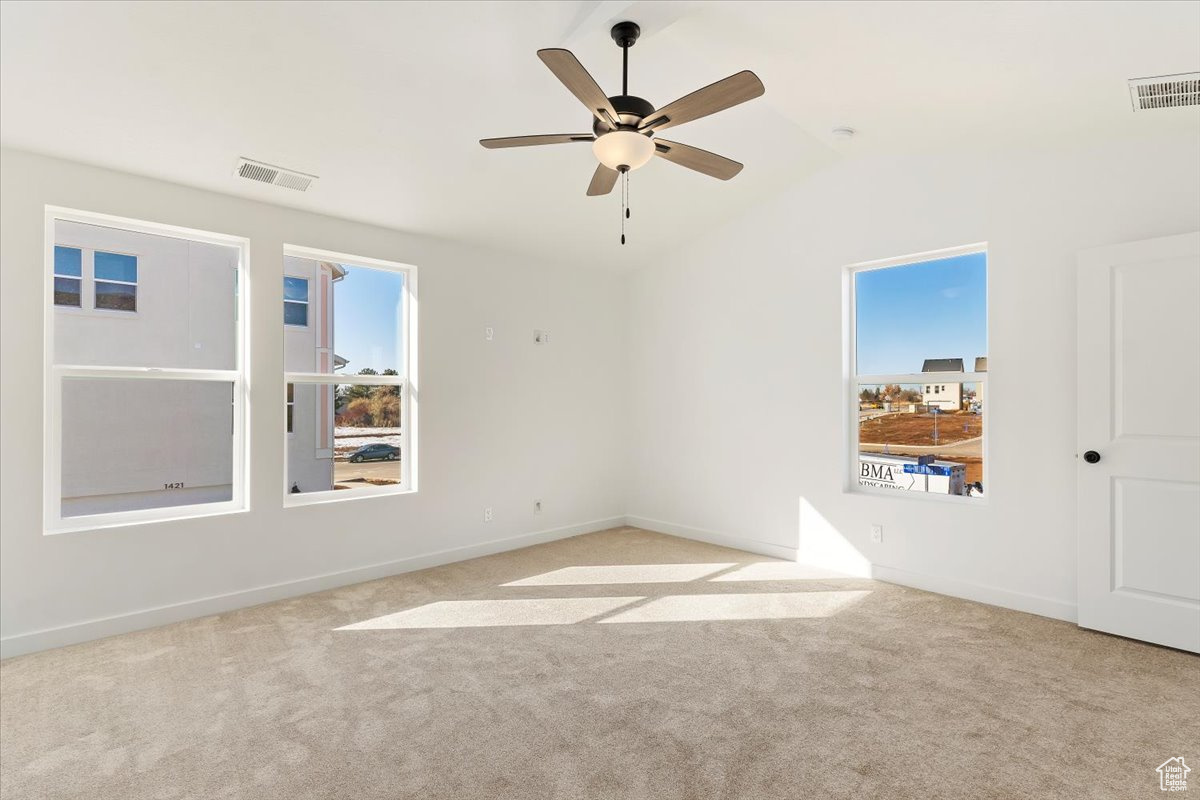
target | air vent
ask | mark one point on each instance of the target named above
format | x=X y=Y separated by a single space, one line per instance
x=276 y=176
x=1165 y=91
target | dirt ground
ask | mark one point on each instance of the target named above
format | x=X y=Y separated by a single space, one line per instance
x=897 y=430
x=918 y=428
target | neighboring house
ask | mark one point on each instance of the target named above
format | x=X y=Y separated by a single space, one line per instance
x=942 y=392
x=308 y=347
x=138 y=300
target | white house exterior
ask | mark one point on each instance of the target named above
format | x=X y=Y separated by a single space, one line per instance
x=941 y=390
x=980 y=366
x=168 y=304
x=308 y=347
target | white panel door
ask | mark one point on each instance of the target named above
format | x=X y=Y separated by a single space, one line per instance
x=1139 y=440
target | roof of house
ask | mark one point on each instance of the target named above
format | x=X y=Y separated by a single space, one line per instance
x=943 y=365
x=981 y=363
x=339 y=362
x=338 y=270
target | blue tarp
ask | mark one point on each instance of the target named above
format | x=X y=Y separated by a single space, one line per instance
x=927 y=469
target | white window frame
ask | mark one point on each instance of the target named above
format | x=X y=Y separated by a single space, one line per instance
x=852 y=380
x=55 y=374
x=407 y=382
x=306 y=302
x=136 y=292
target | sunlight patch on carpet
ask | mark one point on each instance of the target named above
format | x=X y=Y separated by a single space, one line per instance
x=495 y=613
x=764 y=605
x=622 y=573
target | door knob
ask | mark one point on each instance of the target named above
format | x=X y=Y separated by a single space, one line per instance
x=1091 y=456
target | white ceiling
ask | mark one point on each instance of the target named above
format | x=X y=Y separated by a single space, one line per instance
x=386 y=101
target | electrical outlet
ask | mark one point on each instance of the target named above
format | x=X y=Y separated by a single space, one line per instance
x=487 y=514
x=877 y=534
x=537 y=506
x=489 y=333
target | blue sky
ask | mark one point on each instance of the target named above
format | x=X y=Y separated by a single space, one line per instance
x=933 y=309
x=366 y=317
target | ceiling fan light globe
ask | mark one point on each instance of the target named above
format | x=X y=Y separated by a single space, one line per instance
x=617 y=149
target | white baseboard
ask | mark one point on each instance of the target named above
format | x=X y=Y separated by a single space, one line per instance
x=711 y=537
x=22 y=643
x=980 y=593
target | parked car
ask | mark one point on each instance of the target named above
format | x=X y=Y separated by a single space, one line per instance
x=375 y=452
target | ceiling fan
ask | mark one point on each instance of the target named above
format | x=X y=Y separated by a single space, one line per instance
x=624 y=127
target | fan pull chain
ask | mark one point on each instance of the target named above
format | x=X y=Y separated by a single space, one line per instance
x=624 y=202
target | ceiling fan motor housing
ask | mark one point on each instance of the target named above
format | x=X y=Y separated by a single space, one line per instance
x=630 y=112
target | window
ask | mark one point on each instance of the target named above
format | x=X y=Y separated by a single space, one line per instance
x=145 y=410
x=115 y=280
x=907 y=318
x=349 y=374
x=68 y=276
x=295 y=301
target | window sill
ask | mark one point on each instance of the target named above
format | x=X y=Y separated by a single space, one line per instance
x=342 y=495
x=920 y=497
x=102 y=522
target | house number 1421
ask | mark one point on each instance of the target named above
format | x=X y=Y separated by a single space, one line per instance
x=173 y=485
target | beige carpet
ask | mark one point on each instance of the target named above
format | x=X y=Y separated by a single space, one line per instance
x=564 y=671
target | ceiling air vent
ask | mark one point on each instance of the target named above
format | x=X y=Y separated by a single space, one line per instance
x=276 y=176
x=1165 y=91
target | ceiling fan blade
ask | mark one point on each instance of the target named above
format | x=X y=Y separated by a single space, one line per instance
x=715 y=97
x=603 y=181
x=529 y=141
x=697 y=159
x=567 y=69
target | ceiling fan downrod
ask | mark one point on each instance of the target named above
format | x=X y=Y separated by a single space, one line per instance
x=625 y=34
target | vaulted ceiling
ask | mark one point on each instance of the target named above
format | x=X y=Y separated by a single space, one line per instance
x=386 y=101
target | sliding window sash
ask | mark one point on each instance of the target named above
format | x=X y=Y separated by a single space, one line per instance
x=57 y=374
x=407 y=457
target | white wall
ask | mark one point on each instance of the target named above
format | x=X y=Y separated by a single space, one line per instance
x=736 y=361
x=728 y=357
x=502 y=423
